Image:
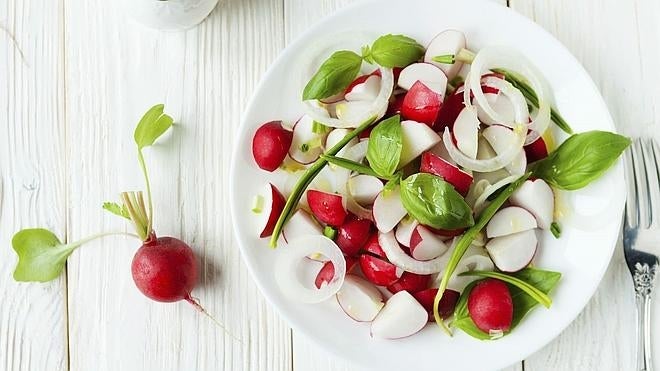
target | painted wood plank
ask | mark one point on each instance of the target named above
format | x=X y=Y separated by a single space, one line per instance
x=617 y=44
x=116 y=70
x=33 y=332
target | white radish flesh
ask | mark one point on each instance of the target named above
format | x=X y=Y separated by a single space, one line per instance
x=352 y=111
x=446 y=43
x=306 y=145
x=301 y=224
x=513 y=252
x=425 y=245
x=398 y=257
x=510 y=220
x=364 y=188
x=365 y=91
x=417 y=139
x=466 y=131
x=359 y=299
x=426 y=73
x=335 y=136
x=401 y=316
x=404 y=231
x=536 y=197
x=388 y=210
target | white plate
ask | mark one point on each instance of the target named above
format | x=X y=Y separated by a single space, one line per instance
x=582 y=254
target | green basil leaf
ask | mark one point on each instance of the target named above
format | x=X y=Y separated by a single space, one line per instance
x=151 y=126
x=41 y=255
x=334 y=75
x=116 y=209
x=581 y=159
x=385 y=145
x=434 y=202
x=394 y=51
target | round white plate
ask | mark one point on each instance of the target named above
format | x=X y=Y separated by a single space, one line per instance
x=591 y=217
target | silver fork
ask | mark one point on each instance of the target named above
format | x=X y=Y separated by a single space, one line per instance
x=641 y=236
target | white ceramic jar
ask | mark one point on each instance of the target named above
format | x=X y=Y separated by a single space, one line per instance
x=169 y=14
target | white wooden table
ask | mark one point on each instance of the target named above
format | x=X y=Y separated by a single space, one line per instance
x=75 y=76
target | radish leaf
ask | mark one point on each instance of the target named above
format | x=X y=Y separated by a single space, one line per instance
x=385 y=145
x=152 y=125
x=116 y=209
x=334 y=75
x=393 y=51
x=41 y=255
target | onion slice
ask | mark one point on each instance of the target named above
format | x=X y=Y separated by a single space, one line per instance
x=502 y=159
x=356 y=153
x=291 y=256
x=398 y=257
x=481 y=200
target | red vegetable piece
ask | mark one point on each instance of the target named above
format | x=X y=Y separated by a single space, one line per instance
x=270 y=145
x=352 y=235
x=490 y=306
x=327 y=207
x=537 y=150
x=373 y=246
x=275 y=211
x=410 y=282
x=377 y=270
x=445 y=307
x=433 y=164
x=327 y=272
x=421 y=104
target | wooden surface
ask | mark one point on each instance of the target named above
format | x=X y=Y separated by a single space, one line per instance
x=75 y=76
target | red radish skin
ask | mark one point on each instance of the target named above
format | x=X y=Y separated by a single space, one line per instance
x=436 y=165
x=451 y=107
x=165 y=269
x=327 y=272
x=372 y=246
x=352 y=235
x=270 y=145
x=395 y=104
x=421 y=104
x=410 y=282
x=360 y=80
x=449 y=233
x=536 y=150
x=378 y=271
x=327 y=207
x=445 y=307
x=490 y=306
x=275 y=211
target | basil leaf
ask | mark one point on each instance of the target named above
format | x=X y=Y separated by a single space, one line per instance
x=384 y=148
x=41 y=255
x=394 y=51
x=334 y=75
x=115 y=208
x=581 y=159
x=151 y=126
x=434 y=202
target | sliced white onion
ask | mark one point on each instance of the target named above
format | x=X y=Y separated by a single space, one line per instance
x=481 y=200
x=318 y=112
x=491 y=164
x=356 y=153
x=398 y=257
x=291 y=256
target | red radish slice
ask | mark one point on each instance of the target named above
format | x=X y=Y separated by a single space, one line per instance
x=359 y=299
x=335 y=136
x=306 y=145
x=410 y=282
x=417 y=138
x=327 y=207
x=398 y=257
x=273 y=203
x=364 y=188
x=328 y=271
x=396 y=102
x=446 y=232
x=352 y=235
x=301 y=224
x=490 y=306
x=290 y=258
x=425 y=245
x=379 y=271
x=388 y=210
x=510 y=220
x=404 y=231
x=446 y=43
x=428 y=74
x=361 y=79
x=364 y=91
x=451 y=107
x=270 y=145
x=372 y=246
x=537 y=150
x=401 y=316
x=421 y=104
x=513 y=252
x=445 y=307
x=536 y=197
x=435 y=165
x=466 y=131
x=500 y=138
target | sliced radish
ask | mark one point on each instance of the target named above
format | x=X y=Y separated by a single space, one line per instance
x=359 y=299
x=401 y=316
x=501 y=104
x=466 y=131
x=425 y=245
x=366 y=90
x=447 y=303
x=388 y=210
x=396 y=102
x=273 y=203
x=333 y=99
x=536 y=197
x=537 y=150
x=417 y=138
x=513 y=252
x=325 y=274
x=500 y=139
x=421 y=104
x=270 y=145
x=379 y=271
x=510 y=220
x=404 y=231
x=398 y=257
x=410 y=282
x=490 y=306
x=451 y=107
x=301 y=224
x=428 y=74
x=335 y=136
x=306 y=145
x=435 y=165
x=373 y=246
x=440 y=150
x=352 y=235
x=364 y=188
x=445 y=43
x=352 y=111
x=327 y=207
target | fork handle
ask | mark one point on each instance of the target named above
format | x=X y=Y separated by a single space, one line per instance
x=644 y=351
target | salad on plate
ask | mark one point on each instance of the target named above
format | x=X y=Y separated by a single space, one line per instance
x=417 y=183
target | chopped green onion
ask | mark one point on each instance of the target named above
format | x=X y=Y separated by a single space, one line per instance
x=555 y=229
x=304 y=147
x=258 y=204
x=445 y=59
x=330 y=232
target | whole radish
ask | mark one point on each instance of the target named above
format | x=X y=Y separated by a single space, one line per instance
x=490 y=306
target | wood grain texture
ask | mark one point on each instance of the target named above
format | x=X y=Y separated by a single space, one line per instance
x=32 y=316
x=116 y=70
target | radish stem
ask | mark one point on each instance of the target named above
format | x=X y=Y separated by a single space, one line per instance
x=143 y=166
x=99 y=235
